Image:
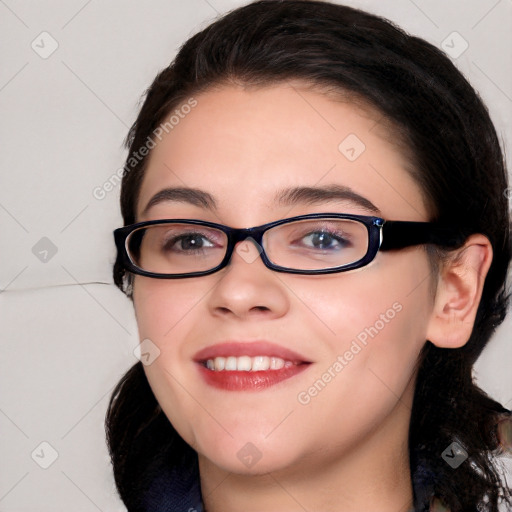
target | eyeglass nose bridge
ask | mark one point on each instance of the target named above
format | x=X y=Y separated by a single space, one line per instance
x=250 y=235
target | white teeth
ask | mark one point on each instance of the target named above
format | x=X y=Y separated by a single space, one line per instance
x=260 y=363
x=246 y=363
x=276 y=363
x=230 y=363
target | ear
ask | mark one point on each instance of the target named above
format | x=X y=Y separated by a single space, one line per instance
x=459 y=289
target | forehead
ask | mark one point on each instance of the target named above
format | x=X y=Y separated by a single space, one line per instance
x=244 y=145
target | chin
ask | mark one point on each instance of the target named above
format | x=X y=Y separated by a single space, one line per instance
x=250 y=455
x=250 y=460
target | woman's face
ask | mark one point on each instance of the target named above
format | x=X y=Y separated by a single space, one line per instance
x=357 y=333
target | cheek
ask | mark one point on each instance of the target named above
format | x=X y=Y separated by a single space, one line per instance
x=166 y=312
x=390 y=296
x=377 y=321
x=163 y=307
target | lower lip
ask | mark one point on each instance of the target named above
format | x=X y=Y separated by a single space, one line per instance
x=232 y=380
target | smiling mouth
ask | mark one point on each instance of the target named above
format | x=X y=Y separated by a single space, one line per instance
x=247 y=363
x=244 y=373
x=248 y=366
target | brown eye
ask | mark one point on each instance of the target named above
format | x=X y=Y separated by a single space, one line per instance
x=188 y=242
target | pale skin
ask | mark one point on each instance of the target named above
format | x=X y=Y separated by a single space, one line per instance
x=346 y=450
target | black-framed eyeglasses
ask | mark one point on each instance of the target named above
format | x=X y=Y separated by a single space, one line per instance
x=318 y=243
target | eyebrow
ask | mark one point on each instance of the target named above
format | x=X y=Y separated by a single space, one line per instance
x=192 y=196
x=314 y=195
x=285 y=197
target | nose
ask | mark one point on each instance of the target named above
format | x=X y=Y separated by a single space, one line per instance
x=247 y=288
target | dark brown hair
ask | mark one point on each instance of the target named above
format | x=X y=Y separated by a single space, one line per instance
x=458 y=164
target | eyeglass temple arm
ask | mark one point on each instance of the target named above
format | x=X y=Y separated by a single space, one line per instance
x=399 y=234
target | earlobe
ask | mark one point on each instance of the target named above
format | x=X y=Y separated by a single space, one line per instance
x=460 y=283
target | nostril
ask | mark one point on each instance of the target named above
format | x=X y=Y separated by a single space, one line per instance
x=261 y=308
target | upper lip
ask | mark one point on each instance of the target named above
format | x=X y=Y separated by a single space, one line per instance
x=249 y=348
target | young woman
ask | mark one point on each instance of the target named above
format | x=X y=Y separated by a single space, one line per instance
x=316 y=242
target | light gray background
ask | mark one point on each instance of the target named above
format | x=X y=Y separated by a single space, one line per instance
x=67 y=334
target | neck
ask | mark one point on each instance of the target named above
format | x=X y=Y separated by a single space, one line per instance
x=372 y=475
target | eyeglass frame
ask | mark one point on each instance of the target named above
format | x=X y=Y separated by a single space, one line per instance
x=383 y=235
